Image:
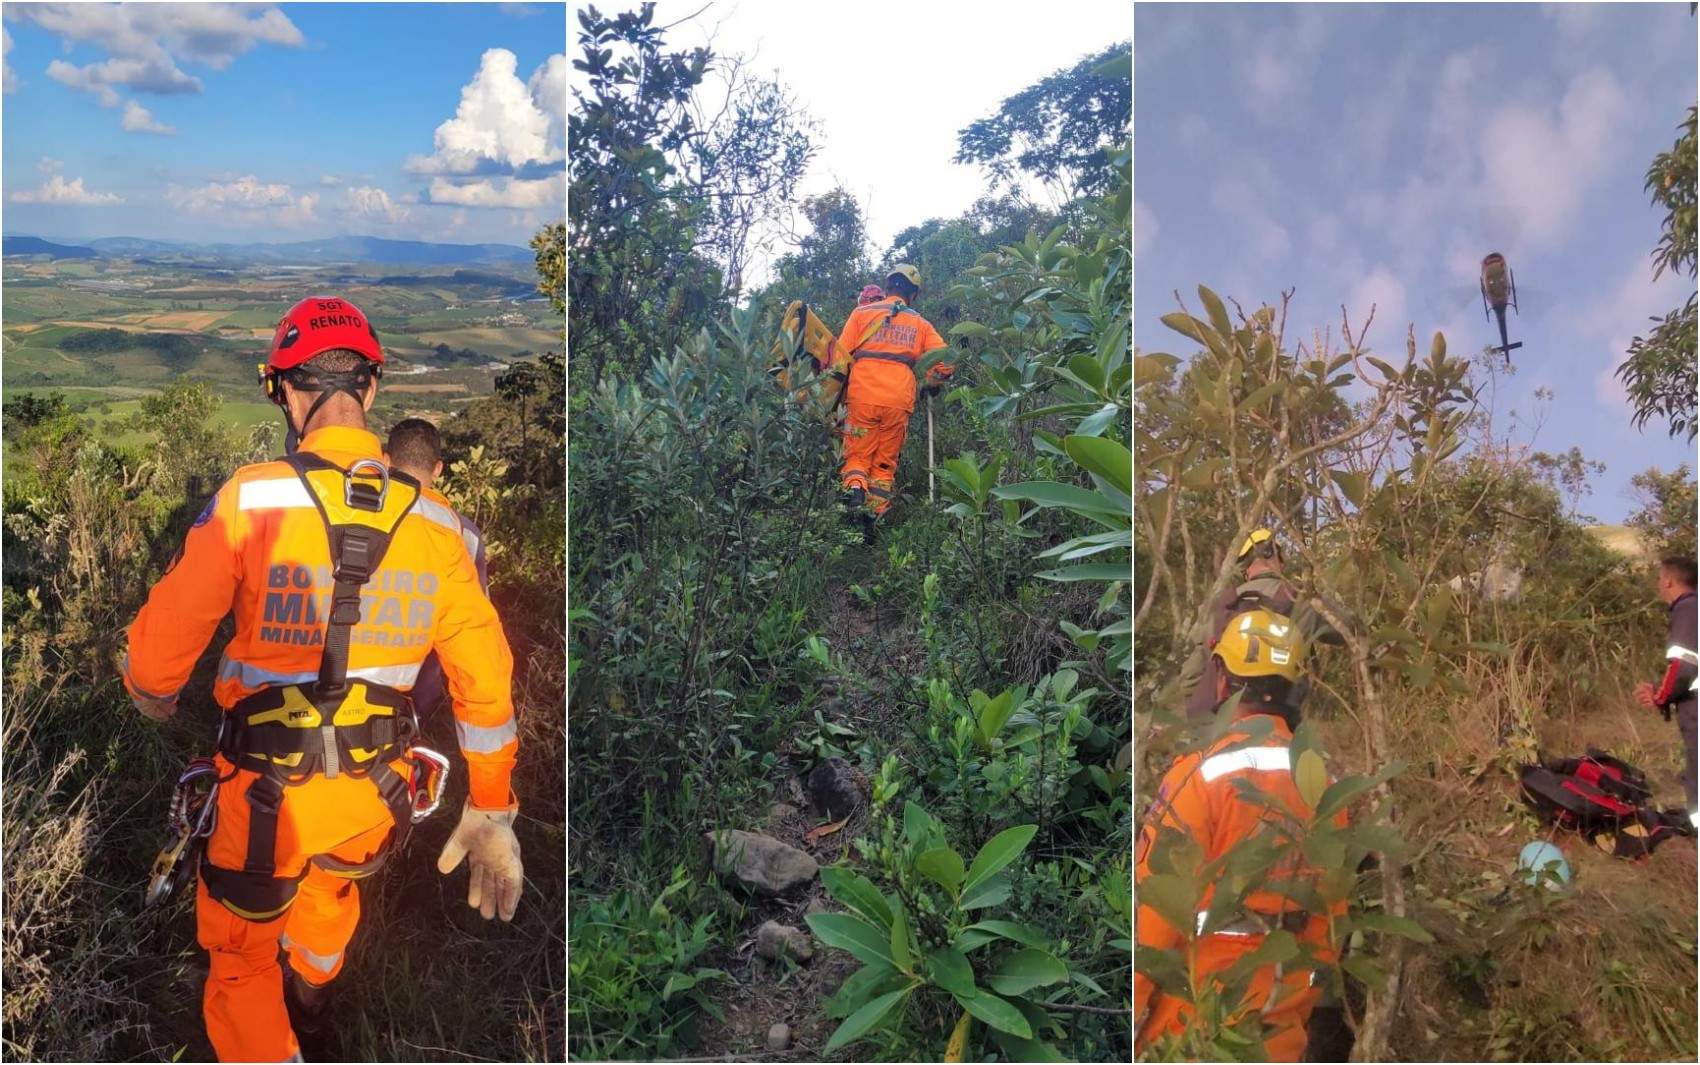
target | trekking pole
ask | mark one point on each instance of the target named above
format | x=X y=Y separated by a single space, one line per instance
x=930 y=476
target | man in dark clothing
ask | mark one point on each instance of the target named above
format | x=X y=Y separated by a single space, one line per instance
x=416 y=449
x=1263 y=589
x=1676 y=692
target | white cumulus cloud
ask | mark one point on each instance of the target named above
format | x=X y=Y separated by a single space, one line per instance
x=145 y=42
x=137 y=119
x=8 y=77
x=501 y=192
x=247 y=199
x=1386 y=293
x=500 y=125
x=1144 y=228
x=368 y=202
x=1540 y=163
x=58 y=190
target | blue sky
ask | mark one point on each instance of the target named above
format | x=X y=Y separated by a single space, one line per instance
x=282 y=122
x=1375 y=152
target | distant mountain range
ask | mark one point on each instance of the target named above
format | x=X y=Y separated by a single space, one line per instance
x=305 y=252
x=37 y=246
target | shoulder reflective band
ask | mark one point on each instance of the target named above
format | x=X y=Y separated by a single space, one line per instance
x=1258 y=759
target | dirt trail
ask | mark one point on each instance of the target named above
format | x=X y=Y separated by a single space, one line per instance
x=763 y=993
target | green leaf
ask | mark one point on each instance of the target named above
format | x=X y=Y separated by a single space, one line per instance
x=1024 y=970
x=866 y=983
x=950 y=970
x=1344 y=791
x=1089 y=571
x=1086 y=368
x=1104 y=457
x=1367 y=972
x=970 y=938
x=993 y=716
x=943 y=867
x=1023 y=934
x=969 y=329
x=869 y=945
x=1056 y=494
x=1353 y=485
x=1214 y=307
x=1175 y=900
x=865 y=1018
x=858 y=893
x=1311 y=776
x=1395 y=926
x=996 y=1012
x=900 y=953
x=994 y=891
x=1203 y=475
x=998 y=852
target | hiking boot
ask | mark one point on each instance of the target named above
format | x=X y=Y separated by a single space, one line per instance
x=305 y=1002
x=855 y=498
x=870 y=527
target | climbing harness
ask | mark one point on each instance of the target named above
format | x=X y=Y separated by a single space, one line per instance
x=334 y=725
x=189 y=821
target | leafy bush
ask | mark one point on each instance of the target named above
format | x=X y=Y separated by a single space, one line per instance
x=634 y=970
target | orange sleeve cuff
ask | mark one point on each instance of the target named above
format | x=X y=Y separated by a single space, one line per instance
x=491 y=785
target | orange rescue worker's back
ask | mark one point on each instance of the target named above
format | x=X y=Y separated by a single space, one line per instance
x=1199 y=797
x=883 y=364
x=260 y=550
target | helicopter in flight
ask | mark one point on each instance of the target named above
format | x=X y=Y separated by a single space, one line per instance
x=1499 y=287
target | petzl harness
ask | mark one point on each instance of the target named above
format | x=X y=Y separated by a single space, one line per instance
x=335 y=726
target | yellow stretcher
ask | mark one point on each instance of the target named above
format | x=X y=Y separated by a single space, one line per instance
x=808 y=364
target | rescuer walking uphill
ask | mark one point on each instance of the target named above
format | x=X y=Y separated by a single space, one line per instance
x=885 y=341
x=342 y=578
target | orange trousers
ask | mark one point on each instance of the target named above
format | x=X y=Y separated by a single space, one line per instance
x=330 y=833
x=873 y=438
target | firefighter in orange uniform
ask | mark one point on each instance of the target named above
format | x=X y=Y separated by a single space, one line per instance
x=342 y=578
x=885 y=341
x=1200 y=799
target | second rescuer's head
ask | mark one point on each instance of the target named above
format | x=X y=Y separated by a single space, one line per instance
x=904 y=281
x=1260 y=653
x=324 y=347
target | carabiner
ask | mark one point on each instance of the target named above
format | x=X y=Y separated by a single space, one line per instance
x=427 y=793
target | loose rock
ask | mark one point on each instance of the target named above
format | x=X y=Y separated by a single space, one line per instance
x=774 y=939
x=779 y=1037
x=762 y=865
x=780 y=812
x=834 y=790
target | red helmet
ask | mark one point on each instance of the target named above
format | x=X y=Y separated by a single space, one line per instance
x=317 y=325
x=871 y=294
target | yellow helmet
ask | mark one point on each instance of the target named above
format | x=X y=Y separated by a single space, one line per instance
x=907 y=272
x=1259 y=643
x=1257 y=538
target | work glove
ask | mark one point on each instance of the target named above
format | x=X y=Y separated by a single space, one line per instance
x=487 y=836
x=931 y=390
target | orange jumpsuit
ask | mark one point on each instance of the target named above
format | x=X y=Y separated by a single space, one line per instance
x=1198 y=797
x=260 y=550
x=884 y=342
